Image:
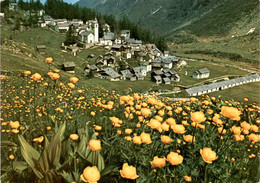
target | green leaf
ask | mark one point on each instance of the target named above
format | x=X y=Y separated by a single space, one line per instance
x=30 y=155
x=20 y=165
x=108 y=170
x=7 y=143
x=100 y=163
x=67 y=176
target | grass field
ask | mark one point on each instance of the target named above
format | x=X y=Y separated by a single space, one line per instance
x=216 y=71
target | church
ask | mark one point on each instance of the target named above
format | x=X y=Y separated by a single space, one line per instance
x=88 y=33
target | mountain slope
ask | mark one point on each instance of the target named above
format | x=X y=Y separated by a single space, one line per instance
x=198 y=17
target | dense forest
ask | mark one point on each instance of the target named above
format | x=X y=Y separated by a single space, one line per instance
x=60 y=9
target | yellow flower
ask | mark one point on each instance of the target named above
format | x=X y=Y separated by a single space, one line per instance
x=154 y=124
x=98 y=128
x=245 y=125
x=55 y=76
x=189 y=138
x=174 y=158
x=236 y=130
x=11 y=156
x=170 y=121
x=165 y=127
x=74 y=79
x=146 y=138
x=137 y=140
x=92 y=113
x=231 y=113
x=90 y=175
x=94 y=145
x=15 y=131
x=178 y=129
x=166 y=139
x=15 y=124
x=208 y=155
x=74 y=137
x=158 y=162
x=48 y=128
x=197 y=117
x=253 y=137
x=220 y=129
x=49 y=60
x=71 y=85
x=128 y=172
x=128 y=131
x=36 y=76
x=146 y=112
x=187 y=178
x=27 y=73
x=254 y=128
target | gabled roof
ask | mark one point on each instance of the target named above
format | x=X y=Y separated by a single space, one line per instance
x=203 y=71
x=166 y=79
x=125 y=72
x=86 y=33
x=159 y=72
x=157 y=78
x=109 y=71
x=116 y=46
x=69 y=64
x=93 y=67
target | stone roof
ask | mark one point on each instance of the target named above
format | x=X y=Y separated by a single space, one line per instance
x=203 y=71
x=69 y=64
x=86 y=33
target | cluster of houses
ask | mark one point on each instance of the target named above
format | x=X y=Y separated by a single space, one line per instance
x=217 y=86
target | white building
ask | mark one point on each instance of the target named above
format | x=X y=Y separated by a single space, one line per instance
x=86 y=37
x=201 y=73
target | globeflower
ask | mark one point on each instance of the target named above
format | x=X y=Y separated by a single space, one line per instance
x=137 y=140
x=158 y=162
x=128 y=131
x=55 y=76
x=166 y=139
x=74 y=79
x=187 y=178
x=27 y=73
x=174 y=158
x=146 y=138
x=36 y=77
x=178 y=128
x=231 y=113
x=90 y=175
x=49 y=60
x=146 y=112
x=74 y=137
x=245 y=125
x=154 y=124
x=15 y=124
x=189 y=138
x=253 y=137
x=128 y=172
x=94 y=145
x=170 y=121
x=71 y=85
x=208 y=155
x=197 y=117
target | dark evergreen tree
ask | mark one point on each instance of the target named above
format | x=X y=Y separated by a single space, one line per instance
x=70 y=36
